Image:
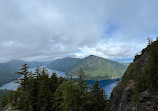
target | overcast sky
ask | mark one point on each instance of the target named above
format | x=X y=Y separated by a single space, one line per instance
x=48 y=29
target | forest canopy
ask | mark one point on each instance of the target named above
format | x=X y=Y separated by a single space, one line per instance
x=39 y=92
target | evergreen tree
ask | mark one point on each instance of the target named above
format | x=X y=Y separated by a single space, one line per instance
x=149 y=41
x=99 y=98
x=153 y=65
x=83 y=90
x=81 y=81
x=38 y=72
x=25 y=77
x=24 y=92
x=44 y=95
x=39 y=92
x=71 y=97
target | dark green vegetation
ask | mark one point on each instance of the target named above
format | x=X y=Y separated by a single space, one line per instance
x=138 y=88
x=38 y=92
x=149 y=77
x=64 y=64
x=8 y=70
x=94 y=67
x=4 y=92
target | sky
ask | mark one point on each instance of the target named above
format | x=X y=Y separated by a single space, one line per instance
x=35 y=30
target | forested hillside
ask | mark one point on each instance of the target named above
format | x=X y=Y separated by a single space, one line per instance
x=138 y=89
x=99 y=68
x=94 y=67
x=8 y=70
x=38 y=92
x=64 y=64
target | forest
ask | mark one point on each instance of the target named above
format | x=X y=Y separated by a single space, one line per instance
x=39 y=92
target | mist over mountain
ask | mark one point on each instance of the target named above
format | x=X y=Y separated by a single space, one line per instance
x=8 y=70
x=64 y=64
x=94 y=67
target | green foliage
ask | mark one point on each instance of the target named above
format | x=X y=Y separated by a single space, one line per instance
x=135 y=97
x=8 y=70
x=95 y=68
x=4 y=97
x=38 y=92
x=117 y=79
x=4 y=92
x=7 y=75
x=153 y=65
x=141 y=85
x=99 y=68
x=99 y=98
x=144 y=71
x=64 y=64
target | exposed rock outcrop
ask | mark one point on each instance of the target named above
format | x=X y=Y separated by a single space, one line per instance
x=123 y=95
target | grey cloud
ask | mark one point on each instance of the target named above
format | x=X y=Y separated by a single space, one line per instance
x=37 y=29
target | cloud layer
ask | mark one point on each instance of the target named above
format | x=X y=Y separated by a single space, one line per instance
x=40 y=30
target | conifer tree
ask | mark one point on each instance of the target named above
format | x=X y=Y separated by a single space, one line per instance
x=153 y=65
x=24 y=99
x=25 y=77
x=99 y=98
x=44 y=95
x=38 y=72
x=81 y=81
x=83 y=89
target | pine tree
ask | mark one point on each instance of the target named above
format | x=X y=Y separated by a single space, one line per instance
x=150 y=41
x=83 y=89
x=81 y=81
x=24 y=98
x=44 y=94
x=38 y=72
x=99 y=98
x=25 y=77
x=68 y=97
x=38 y=92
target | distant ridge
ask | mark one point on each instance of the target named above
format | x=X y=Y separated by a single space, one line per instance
x=94 y=67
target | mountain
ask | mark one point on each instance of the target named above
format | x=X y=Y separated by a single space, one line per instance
x=99 y=68
x=93 y=66
x=64 y=64
x=8 y=70
x=138 y=89
x=126 y=64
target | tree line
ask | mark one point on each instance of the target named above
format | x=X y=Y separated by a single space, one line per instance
x=39 y=92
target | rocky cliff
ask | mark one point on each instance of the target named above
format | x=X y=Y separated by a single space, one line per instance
x=138 y=89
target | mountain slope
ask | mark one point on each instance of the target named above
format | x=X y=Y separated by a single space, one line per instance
x=98 y=68
x=8 y=70
x=94 y=67
x=64 y=64
x=138 y=89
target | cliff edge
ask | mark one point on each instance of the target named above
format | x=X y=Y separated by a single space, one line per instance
x=138 y=89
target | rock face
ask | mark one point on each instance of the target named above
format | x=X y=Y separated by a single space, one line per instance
x=122 y=96
x=9 y=108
